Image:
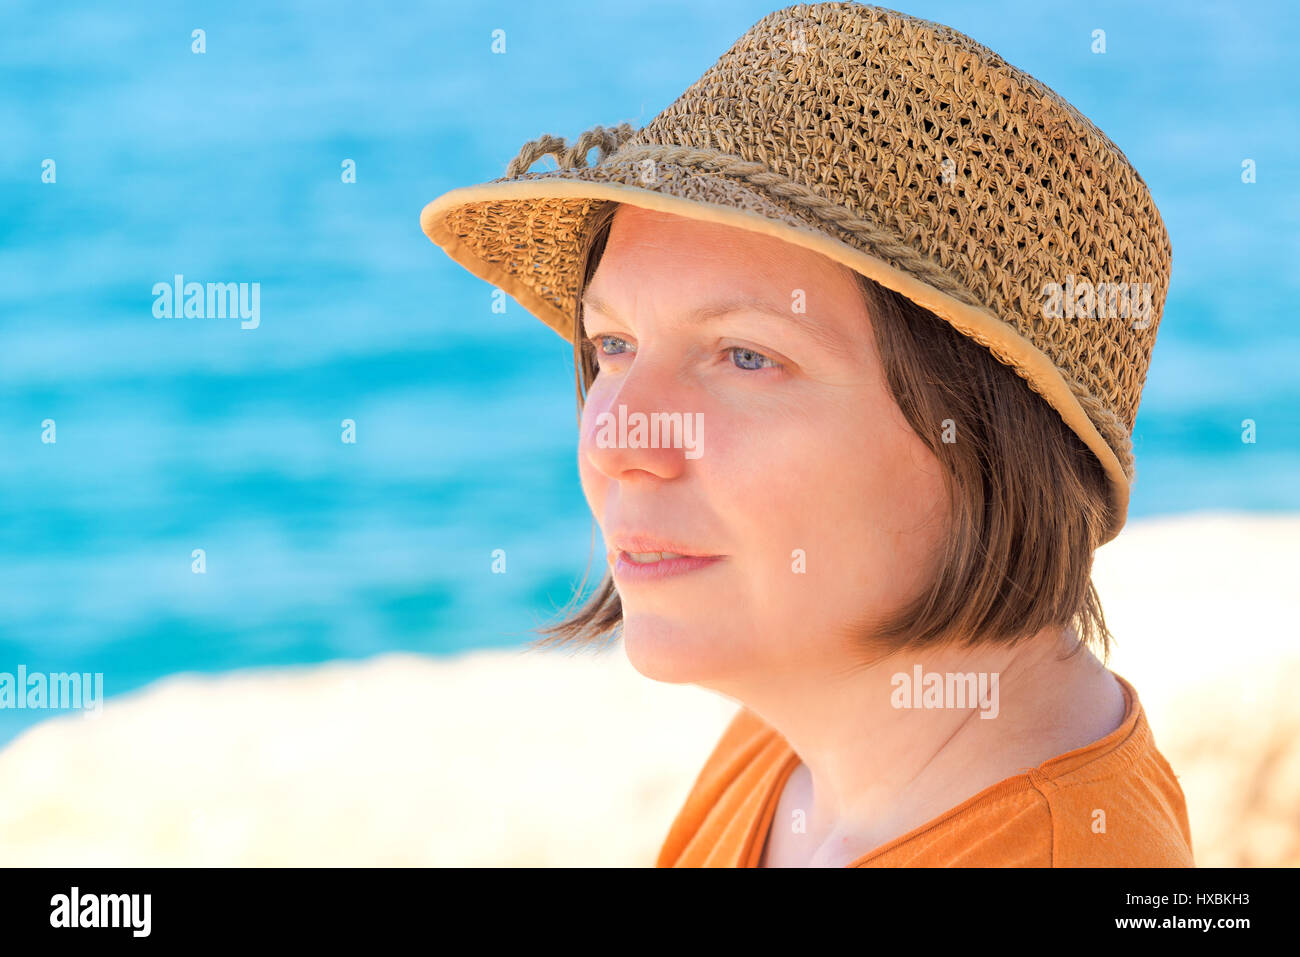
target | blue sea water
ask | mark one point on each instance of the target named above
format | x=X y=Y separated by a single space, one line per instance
x=174 y=435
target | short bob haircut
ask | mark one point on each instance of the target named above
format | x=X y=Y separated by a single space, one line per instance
x=1029 y=499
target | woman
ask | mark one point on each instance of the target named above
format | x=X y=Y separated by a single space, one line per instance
x=859 y=283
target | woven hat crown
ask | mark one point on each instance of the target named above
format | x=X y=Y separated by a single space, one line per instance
x=923 y=149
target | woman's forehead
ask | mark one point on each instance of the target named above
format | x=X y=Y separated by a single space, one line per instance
x=644 y=244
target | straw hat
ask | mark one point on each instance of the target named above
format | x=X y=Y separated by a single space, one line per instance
x=900 y=148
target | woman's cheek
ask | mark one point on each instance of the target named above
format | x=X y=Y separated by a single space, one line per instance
x=594 y=482
x=594 y=486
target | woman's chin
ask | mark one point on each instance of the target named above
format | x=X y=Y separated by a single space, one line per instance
x=671 y=652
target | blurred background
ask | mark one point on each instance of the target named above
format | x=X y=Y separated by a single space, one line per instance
x=226 y=165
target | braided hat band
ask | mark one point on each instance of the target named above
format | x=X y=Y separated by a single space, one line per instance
x=899 y=148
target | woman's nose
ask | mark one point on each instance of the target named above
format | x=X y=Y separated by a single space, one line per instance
x=640 y=427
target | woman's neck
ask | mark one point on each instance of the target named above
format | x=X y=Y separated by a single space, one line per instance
x=881 y=756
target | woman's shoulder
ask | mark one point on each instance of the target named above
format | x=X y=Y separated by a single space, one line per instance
x=1119 y=805
x=714 y=823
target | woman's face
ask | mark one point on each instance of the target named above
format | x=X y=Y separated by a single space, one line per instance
x=811 y=506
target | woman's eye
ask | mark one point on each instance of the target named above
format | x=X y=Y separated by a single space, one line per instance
x=750 y=360
x=612 y=345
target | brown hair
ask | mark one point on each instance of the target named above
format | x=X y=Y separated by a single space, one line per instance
x=1029 y=500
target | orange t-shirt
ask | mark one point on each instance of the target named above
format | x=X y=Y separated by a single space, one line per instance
x=1045 y=817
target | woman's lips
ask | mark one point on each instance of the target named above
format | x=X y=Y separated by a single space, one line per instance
x=655 y=566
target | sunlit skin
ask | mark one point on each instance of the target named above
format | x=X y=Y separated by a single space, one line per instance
x=823 y=512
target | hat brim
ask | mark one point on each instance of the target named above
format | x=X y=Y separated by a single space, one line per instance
x=523 y=235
